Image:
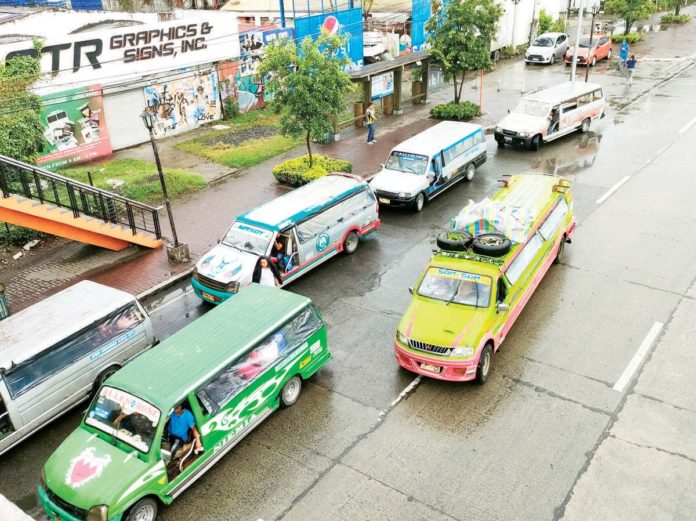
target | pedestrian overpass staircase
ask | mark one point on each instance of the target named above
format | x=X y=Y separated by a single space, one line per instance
x=36 y=198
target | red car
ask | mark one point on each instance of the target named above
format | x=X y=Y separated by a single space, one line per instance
x=590 y=51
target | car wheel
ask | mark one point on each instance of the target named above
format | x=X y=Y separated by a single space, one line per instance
x=491 y=244
x=104 y=375
x=290 y=392
x=419 y=202
x=594 y=61
x=536 y=143
x=585 y=127
x=553 y=59
x=350 y=244
x=469 y=171
x=143 y=510
x=484 y=365
x=454 y=241
x=559 y=253
x=609 y=55
x=496 y=55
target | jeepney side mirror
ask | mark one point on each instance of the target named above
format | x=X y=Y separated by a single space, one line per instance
x=503 y=308
x=218 y=241
x=508 y=111
x=410 y=290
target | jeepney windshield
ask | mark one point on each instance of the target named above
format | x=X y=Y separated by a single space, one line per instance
x=538 y=109
x=124 y=417
x=405 y=162
x=246 y=237
x=457 y=287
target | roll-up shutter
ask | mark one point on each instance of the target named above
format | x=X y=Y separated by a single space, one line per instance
x=122 y=111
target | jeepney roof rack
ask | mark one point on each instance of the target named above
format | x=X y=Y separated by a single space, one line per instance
x=469 y=255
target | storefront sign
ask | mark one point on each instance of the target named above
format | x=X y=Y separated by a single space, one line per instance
x=382 y=85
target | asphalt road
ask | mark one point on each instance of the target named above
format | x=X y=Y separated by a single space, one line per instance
x=552 y=435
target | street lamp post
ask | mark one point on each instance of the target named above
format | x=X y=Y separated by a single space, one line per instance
x=178 y=252
x=574 y=63
x=595 y=10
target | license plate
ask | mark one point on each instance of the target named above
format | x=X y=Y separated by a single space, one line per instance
x=508 y=140
x=384 y=201
x=208 y=296
x=536 y=59
x=431 y=368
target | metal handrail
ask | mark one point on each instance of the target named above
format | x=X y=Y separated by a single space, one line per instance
x=18 y=178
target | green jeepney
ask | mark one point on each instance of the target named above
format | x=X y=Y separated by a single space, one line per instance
x=229 y=369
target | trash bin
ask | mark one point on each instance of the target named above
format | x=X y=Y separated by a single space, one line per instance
x=388 y=105
x=358 y=113
x=4 y=307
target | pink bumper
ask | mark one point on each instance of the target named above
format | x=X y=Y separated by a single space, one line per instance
x=453 y=371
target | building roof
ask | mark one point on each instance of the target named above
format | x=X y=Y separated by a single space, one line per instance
x=281 y=212
x=27 y=333
x=436 y=138
x=192 y=356
x=390 y=65
x=562 y=91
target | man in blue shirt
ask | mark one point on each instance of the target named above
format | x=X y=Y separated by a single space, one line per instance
x=631 y=64
x=180 y=423
x=623 y=54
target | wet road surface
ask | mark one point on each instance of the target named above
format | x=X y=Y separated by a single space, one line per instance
x=525 y=445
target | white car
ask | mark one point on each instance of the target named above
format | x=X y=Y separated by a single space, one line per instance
x=547 y=48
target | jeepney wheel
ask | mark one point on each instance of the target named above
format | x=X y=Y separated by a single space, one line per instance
x=484 y=366
x=290 y=392
x=470 y=171
x=559 y=253
x=143 y=510
x=585 y=127
x=536 y=143
x=419 y=202
x=351 y=243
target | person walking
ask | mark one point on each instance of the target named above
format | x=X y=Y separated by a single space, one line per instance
x=631 y=64
x=371 y=118
x=265 y=273
x=623 y=54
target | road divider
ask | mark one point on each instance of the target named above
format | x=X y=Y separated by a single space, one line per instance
x=635 y=362
x=613 y=189
x=686 y=127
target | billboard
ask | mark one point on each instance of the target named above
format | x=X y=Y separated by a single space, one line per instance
x=75 y=128
x=421 y=11
x=346 y=23
x=184 y=103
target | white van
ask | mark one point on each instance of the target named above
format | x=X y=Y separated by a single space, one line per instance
x=551 y=113
x=429 y=163
x=54 y=354
x=312 y=223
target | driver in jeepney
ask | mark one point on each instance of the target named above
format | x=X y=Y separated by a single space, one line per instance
x=181 y=427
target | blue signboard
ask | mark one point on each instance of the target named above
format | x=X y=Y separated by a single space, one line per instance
x=346 y=23
x=421 y=14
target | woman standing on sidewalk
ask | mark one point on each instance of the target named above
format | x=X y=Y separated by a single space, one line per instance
x=371 y=118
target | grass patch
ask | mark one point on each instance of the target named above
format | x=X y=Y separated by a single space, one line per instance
x=11 y=235
x=249 y=152
x=140 y=179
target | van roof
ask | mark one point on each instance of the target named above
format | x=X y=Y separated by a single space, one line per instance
x=563 y=91
x=282 y=211
x=436 y=138
x=38 y=327
x=184 y=361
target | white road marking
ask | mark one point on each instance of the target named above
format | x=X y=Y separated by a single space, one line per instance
x=612 y=190
x=403 y=394
x=626 y=376
x=686 y=127
x=160 y=308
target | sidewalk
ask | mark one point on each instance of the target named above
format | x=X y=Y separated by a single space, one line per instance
x=202 y=218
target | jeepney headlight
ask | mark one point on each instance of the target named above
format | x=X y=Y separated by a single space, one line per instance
x=404 y=195
x=98 y=513
x=523 y=134
x=232 y=287
x=401 y=338
x=465 y=351
x=195 y=273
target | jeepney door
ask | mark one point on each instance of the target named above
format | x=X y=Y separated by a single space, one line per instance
x=503 y=303
x=6 y=427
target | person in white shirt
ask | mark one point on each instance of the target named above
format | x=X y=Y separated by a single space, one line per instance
x=266 y=273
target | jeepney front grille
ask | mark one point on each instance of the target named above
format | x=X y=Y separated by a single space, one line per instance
x=388 y=195
x=67 y=507
x=211 y=283
x=429 y=348
x=509 y=132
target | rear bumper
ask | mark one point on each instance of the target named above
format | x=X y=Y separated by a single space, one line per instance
x=452 y=371
x=218 y=297
x=513 y=140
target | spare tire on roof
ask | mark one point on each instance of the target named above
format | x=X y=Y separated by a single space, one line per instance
x=454 y=241
x=491 y=244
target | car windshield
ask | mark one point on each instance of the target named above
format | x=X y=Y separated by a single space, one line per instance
x=248 y=238
x=585 y=42
x=124 y=416
x=405 y=162
x=532 y=108
x=542 y=42
x=458 y=287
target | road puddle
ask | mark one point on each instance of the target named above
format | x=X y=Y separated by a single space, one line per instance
x=582 y=157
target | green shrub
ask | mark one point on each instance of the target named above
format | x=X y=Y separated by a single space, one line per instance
x=230 y=108
x=630 y=38
x=675 y=19
x=548 y=25
x=297 y=172
x=11 y=235
x=458 y=111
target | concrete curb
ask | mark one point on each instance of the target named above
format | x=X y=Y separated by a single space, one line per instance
x=231 y=173
x=162 y=286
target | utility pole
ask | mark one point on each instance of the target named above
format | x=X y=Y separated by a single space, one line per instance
x=587 y=70
x=574 y=63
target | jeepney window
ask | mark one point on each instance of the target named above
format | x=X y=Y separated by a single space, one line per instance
x=227 y=384
x=554 y=220
x=567 y=107
x=597 y=95
x=478 y=138
x=456 y=286
x=124 y=416
x=324 y=220
x=93 y=341
x=5 y=422
x=502 y=290
x=407 y=162
x=524 y=259
x=584 y=99
x=457 y=150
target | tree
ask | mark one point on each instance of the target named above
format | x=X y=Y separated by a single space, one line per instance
x=677 y=7
x=460 y=38
x=21 y=130
x=307 y=85
x=630 y=10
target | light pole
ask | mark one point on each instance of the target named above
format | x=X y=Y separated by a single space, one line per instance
x=178 y=252
x=574 y=63
x=595 y=10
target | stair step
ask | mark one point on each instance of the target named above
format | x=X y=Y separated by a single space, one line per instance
x=20 y=198
x=65 y=210
x=51 y=207
x=36 y=203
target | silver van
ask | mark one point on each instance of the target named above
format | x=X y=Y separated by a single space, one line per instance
x=55 y=353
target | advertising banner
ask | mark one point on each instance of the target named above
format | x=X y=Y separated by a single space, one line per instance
x=382 y=85
x=346 y=23
x=185 y=103
x=420 y=15
x=75 y=128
